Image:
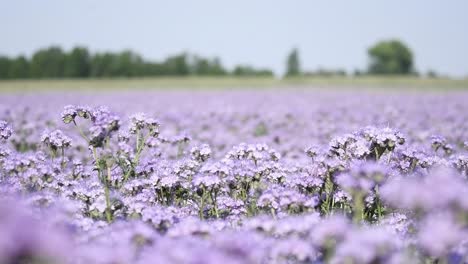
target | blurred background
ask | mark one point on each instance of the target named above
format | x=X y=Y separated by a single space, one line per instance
x=232 y=43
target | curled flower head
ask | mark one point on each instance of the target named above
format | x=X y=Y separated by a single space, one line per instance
x=460 y=162
x=105 y=123
x=206 y=181
x=341 y=142
x=138 y=122
x=4 y=152
x=280 y=198
x=383 y=137
x=438 y=141
x=123 y=137
x=5 y=130
x=253 y=152
x=55 y=139
x=105 y=119
x=181 y=138
x=348 y=146
x=69 y=114
x=312 y=151
x=201 y=153
x=141 y=121
x=84 y=112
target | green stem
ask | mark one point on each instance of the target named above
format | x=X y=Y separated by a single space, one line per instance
x=379 y=203
x=326 y=204
x=376 y=153
x=96 y=161
x=139 y=150
x=358 y=207
x=202 y=205
x=328 y=251
x=107 y=195
x=95 y=156
x=140 y=145
x=215 y=206
x=329 y=186
x=332 y=205
x=62 y=163
x=81 y=132
x=53 y=152
x=273 y=213
x=137 y=143
x=180 y=149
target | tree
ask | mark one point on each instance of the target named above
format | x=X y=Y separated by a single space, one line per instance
x=390 y=57
x=217 y=67
x=19 y=68
x=203 y=66
x=53 y=62
x=432 y=74
x=200 y=66
x=48 y=63
x=177 y=65
x=293 y=67
x=77 y=63
x=127 y=64
x=243 y=70
x=248 y=71
x=101 y=65
x=5 y=64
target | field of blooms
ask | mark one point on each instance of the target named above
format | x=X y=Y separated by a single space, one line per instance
x=234 y=177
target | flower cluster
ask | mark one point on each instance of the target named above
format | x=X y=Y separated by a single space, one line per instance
x=5 y=130
x=55 y=140
x=185 y=190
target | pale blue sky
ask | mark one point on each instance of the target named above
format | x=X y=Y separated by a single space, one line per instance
x=331 y=34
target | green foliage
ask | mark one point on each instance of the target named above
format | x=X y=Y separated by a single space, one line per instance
x=5 y=64
x=48 y=63
x=321 y=72
x=390 y=57
x=102 y=64
x=293 y=65
x=386 y=57
x=80 y=63
x=177 y=65
x=206 y=67
x=124 y=64
x=19 y=68
x=245 y=70
x=77 y=63
x=432 y=74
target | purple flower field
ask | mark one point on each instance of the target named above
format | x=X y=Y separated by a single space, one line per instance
x=234 y=177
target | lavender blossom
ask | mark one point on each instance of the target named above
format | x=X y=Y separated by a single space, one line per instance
x=5 y=130
x=193 y=193
x=55 y=140
x=440 y=234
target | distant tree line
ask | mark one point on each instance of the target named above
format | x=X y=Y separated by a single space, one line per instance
x=53 y=62
x=389 y=57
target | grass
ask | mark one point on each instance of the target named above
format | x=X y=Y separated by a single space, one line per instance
x=197 y=83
